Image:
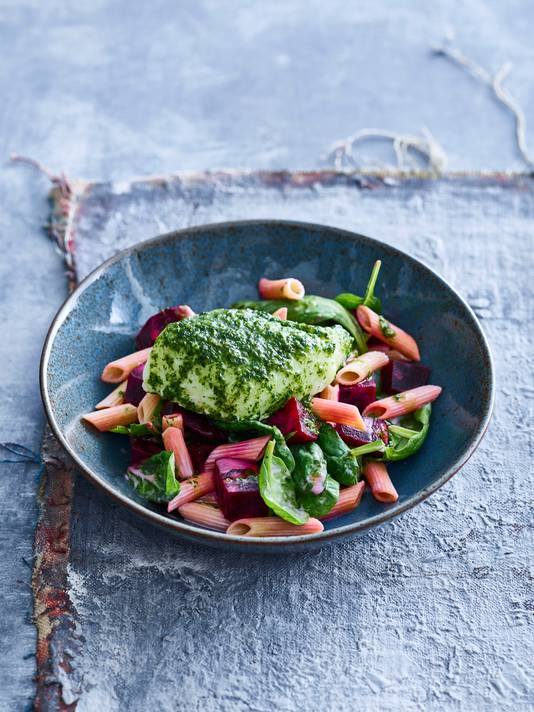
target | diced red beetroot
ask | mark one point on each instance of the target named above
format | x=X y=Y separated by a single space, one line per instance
x=377 y=345
x=354 y=437
x=198 y=452
x=142 y=449
x=134 y=388
x=359 y=394
x=295 y=418
x=200 y=426
x=152 y=328
x=399 y=376
x=238 y=492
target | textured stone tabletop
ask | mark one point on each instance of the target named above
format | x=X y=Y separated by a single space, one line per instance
x=433 y=611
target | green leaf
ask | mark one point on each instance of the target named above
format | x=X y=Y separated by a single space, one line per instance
x=310 y=466
x=341 y=464
x=278 y=489
x=352 y=301
x=318 y=311
x=155 y=479
x=240 y=426
x=375 y=446
x=317 y=505
x=407 y=438
x=135 y=430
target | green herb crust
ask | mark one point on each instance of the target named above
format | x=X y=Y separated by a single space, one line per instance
x=242 y=364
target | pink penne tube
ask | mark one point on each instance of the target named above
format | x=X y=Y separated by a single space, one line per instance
x=396 y=356
x=147 y=406
x=272 y=526
x=110 y=417
x=361 y=368
x=117 y=371
x=185 y=311
x=116 y=397
x=207 y=515
x=174 y=420
x=191 y=489
x=330 y=393
x=382 y=329
x=377 y=477
x=281 y=313
x=245 y=450
x=349 y=499
x=402 y=403
x=333 y=412
x=173 y=441
x=288 y=288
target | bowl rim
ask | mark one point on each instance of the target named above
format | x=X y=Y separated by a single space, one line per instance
x=207 y=536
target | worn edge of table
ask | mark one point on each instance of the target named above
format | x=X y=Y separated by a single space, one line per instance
x=54 y=613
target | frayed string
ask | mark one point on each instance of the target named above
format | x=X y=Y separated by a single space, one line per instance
x=58 y=227
x=16 y=453
x=60 y=180
x=495 y=83
x=426 y=145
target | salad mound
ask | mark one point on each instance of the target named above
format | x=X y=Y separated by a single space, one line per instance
x=247 y=420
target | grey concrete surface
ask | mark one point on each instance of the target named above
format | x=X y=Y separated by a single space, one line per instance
x=110 y=89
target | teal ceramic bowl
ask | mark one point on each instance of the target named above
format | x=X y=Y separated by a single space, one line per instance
x=215 y=265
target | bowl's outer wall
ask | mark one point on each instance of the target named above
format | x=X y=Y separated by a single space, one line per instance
x=217 y=265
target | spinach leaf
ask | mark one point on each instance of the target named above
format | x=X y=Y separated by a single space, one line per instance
x=241 y=426
x=277 y=488
x=135 y=430
x=406 y=438
x=312 y=310
x=317 y=505
x=155 y=478
x=352 y=301
x=341 y=464
x=310 y=467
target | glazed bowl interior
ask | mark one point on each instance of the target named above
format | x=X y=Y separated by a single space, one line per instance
x=214 y=266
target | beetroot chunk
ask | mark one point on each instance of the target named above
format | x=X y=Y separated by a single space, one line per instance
x=196 y=425
x=295 y=418
x=142 y=449
x=238 y=492
x=354 y=437
x=152 y=328
x=134 y=388
x=359 y=394
x=399 y=376
x=198 y=452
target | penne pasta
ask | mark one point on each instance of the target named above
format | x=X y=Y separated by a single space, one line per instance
x=361 y=368
x=116 y=397
x=117 y=371
x=206 y=515
x=342 y=413
x=174 y=420
x=288 y=288
x=349 y=499
x=185 y=311
x=272 y=526
x=281 y=313
x=330 y=393
x=403 y=403
x=244 y=450
x=173 y=440
x=108 y=418
x=382 y=488
x=192 y=489
x=382 y=329
x=146 y=408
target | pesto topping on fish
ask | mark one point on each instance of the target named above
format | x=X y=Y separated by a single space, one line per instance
x=242 y=364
